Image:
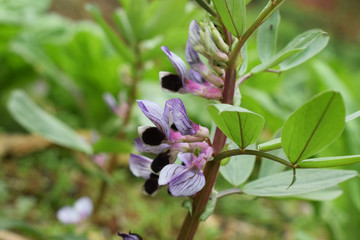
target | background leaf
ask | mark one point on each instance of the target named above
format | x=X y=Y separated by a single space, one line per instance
x=232 y=14
x=239 y=124
x=308 y=180
x=313 y=126
x=267 y=37
x=239 y=168
x=112 y=145
x=36 y=120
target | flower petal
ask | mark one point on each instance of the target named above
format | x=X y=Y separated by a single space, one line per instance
x=194 y=34
x=170 y=172
x=68 y=215
x=155 y=113
x=187 y=183
x=176 y=61
x=192 y=57
x=195 y=76
x=140 y=166
x=186 y=158
x=84 y=207
x=175 y=112
x=143 y=148
x=130 y=236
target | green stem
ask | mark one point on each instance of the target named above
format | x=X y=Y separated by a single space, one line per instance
x=228 y=192
x=236 y=152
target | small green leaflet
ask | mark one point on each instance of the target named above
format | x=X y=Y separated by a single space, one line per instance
x=299 y=50
x=232 y=14
x=324 y=162
x=239 y=124
x=37 y=121
x=307 y=180
x=267 y=37
x=313 y=126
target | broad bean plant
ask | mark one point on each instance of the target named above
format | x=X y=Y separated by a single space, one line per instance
x=183 y=157
x=187 y=158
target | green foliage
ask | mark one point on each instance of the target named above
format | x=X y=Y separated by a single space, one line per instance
x=112 y=145
x=232 y=14
x=239 y=124
x=313 y=126
x=36 y=120
x=329 y=161
x=239 y=168
x=267 y=37
x=299 y=50
x=309 y=180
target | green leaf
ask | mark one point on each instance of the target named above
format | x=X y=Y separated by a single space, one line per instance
x=111 y=145
x=232 y=14
x=123 y=24
x=115 y=40
x=206 y=7
x=209 y=209
x=324 y=162
x=313 y=126
x=239 y=124
x=187 y=204
x=352 y=116
x=307 y=180
x=321 y=195
x=267 y=37
x=270 y=145
x=271 y=167
x=36 y=120
x=312 y=41
x=239 y=168
x=300 y=49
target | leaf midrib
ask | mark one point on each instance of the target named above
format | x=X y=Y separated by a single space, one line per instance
x=316 y=127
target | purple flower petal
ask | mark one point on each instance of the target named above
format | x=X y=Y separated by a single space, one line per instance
x=68 y=215
x=176 y=61
x=191 y=56
x=143 y=148
x=194 y=34
x=155 y=113
x=130 y=236
x=175 y=113
x=186 y=158
x=182 y=180
x=84 y=207
x=140 y=166
x=195 y=76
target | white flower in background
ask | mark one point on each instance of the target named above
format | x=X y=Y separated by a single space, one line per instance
x=81 y=210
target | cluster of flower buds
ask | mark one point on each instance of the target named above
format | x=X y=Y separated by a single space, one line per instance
x=199 y=79
x=174 y=135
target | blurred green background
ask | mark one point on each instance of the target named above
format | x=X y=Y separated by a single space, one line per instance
x=65 y=61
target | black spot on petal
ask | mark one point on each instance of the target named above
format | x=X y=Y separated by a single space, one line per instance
x=173 y=127
x=151 y=186
x=154 y=176
x=152 y=136
x=171 y=82
x=160 y=162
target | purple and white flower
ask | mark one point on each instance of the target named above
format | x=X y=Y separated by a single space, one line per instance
x=81 y=210
x=130 y=236
x=186 y=180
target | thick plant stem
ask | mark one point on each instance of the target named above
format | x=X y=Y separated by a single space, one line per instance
x=211 y=170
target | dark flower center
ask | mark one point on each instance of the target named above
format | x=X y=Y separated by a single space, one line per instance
x=160 y=162
x=152 y=136
x=171 y=82
x=173 y=127
x=151 y=185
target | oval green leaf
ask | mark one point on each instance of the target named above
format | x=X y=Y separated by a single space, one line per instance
x=239 y=124
x=307 y=180
x=232 y=14
x=37 y=121
x=313 y=126
x=267 y=37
